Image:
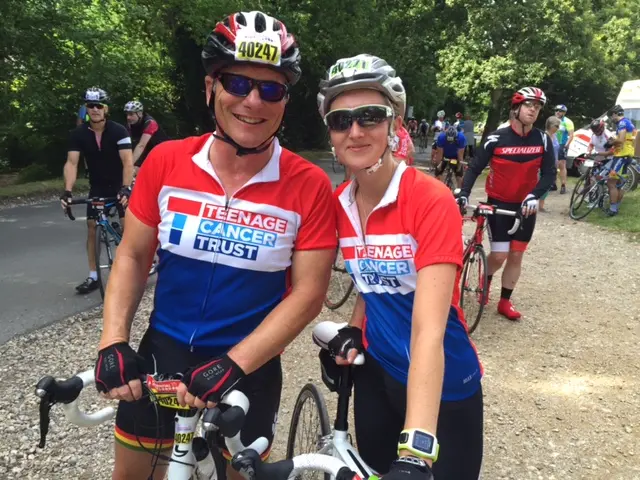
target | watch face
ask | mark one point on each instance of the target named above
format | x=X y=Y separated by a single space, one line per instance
x=422 y=442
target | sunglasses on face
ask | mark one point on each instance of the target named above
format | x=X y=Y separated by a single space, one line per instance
x=241 y=86
x=99 y=106
x=367 y=116
x=531 y=104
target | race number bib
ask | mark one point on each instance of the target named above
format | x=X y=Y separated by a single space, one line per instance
x=350 y=66
x=258 y=47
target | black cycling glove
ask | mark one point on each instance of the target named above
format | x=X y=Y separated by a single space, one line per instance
x=210 y=381
x=66 y=196
x=116 y=366
x=347 y=338
x=124 y=192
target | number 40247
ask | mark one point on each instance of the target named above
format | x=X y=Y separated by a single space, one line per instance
x=258 y=50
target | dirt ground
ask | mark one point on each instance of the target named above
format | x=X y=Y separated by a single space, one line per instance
x=562 y=396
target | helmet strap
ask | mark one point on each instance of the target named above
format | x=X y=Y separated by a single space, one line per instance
x=241 y=150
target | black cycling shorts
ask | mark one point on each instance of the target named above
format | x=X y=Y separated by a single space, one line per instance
x=103 y=192
x=444 y=164
x=379 y=414
x=136 y=422
x=499 y=226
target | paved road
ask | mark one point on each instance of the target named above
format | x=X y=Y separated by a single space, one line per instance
x=42 y=259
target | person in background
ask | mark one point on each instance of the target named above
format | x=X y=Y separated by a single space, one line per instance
x=469 y=135
x=565 y=137
x=599 y=139
x=403 y=148
x=623 y=150
x=144 y=130
x=459 y=123
x=551 y=127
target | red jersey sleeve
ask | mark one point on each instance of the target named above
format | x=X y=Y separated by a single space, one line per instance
x=150 y=127
x=149 y=182
x=318 y=225
x=435 y=222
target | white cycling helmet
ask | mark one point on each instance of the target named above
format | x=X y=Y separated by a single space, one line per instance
x=363 y=71
x=440 y=114
x=133 y=106
x=95 y=94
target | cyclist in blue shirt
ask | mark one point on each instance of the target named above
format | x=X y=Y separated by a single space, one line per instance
x=450 y=145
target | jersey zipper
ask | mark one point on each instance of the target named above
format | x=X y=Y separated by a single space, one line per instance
x=227 y=204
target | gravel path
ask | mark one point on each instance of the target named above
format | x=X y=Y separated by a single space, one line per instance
x=562 y=386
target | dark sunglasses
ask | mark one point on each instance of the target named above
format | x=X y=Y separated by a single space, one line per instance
x=367 y=116
x=99 y=106
x=241 y=86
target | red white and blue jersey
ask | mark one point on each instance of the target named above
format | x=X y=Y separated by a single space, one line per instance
x=416 y=224
x=225 y=262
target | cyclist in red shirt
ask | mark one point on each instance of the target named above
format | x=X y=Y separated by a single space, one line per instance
x=403 y=148
x=522 y=169
x=246 y=236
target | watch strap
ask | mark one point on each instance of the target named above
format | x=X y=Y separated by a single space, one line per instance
x=405 y=442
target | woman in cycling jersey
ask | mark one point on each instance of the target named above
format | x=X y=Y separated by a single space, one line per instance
x=400 y=234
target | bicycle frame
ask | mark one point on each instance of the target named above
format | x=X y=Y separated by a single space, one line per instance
x=478 y=234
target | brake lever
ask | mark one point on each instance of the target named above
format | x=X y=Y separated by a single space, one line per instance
x=45 y=419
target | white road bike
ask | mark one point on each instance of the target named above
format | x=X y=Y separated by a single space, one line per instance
x=195 y=456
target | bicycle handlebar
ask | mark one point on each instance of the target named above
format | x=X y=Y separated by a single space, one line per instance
x=250 y=465
x=52 y=391
x=488 y=209
x=84 y=201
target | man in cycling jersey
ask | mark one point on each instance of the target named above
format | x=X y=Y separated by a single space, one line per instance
x=145 y=132
x=106 y=148
x=440 y=124
x=247 y=236
x=599 y=138
x=565 y=137
x=516 y=155
x=423 y=128
x=450 y=146
x=623 y=150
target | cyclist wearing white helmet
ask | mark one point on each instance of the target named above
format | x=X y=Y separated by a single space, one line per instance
x=145 y=132
x=106 y=148
x=440 y=124
x=522 y=162
x=401 y=237
x=247 y=238
x=565 y=137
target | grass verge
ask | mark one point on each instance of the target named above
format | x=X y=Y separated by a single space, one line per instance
x=43 y=188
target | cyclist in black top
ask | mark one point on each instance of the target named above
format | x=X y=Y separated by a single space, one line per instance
x=522 y=169
x=106 y=146
x=144 y=130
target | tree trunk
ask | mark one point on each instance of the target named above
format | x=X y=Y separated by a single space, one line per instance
x=493 y=117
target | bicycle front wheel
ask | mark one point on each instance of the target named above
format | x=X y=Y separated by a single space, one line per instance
x=340 y=285
x=309 y=425
x=103 y=257
x=474 y=288
x=585 y=197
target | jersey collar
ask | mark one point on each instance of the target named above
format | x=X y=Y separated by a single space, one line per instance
x=270 y=172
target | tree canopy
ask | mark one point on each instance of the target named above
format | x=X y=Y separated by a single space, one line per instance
x=456 y=55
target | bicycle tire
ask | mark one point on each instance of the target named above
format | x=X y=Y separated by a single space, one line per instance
x=312 y=393
x=472 y=324
x=335 y=271
x=102 y=241
x=577 y=194
x=448 y=181
x=633 y=176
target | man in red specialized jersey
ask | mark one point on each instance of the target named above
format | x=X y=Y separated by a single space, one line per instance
x=517 y=154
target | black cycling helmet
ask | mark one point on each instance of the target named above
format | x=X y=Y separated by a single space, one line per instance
x=617 y=109
x=220 y=49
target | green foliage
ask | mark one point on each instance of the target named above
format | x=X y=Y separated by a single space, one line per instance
x=34 y=173
x=466 y=55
